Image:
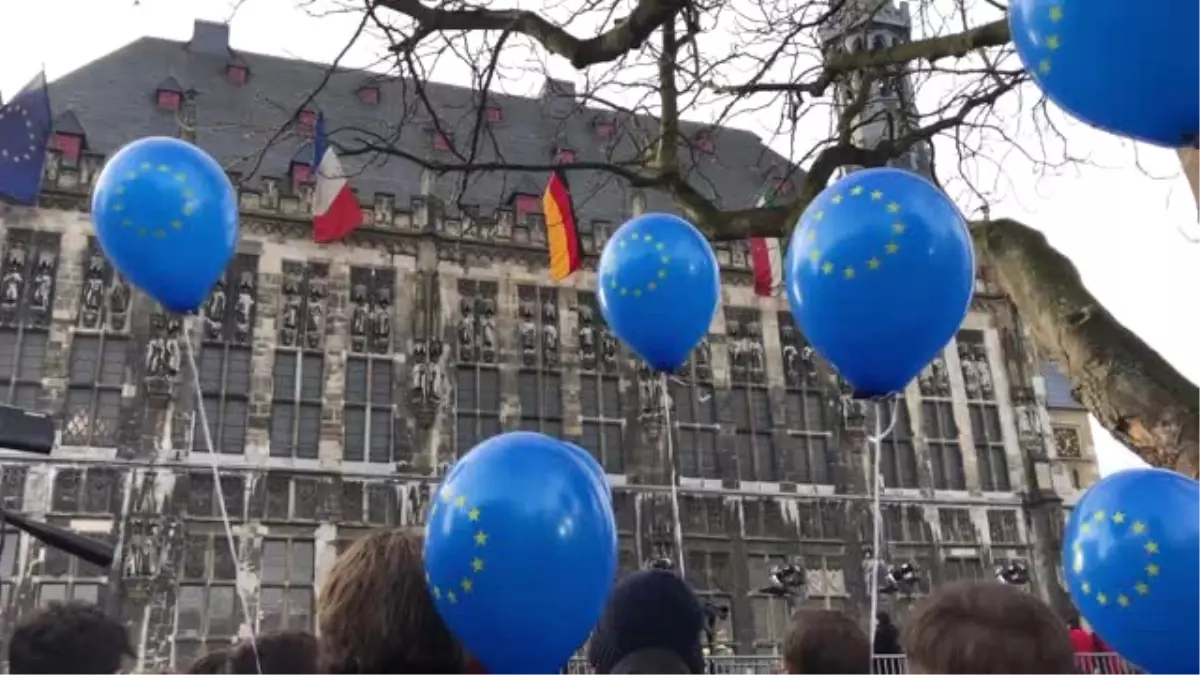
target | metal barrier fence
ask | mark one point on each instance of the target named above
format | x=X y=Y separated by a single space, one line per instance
x=1100 y=663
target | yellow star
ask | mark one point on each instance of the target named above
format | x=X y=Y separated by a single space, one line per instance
x=120 y=189
x=141 y=231
x=637 y=292
x=1122 y=600
x=827 y=268
x=163 y=168
x=452 y=597
x=1138 y=527
x=1077 y=546
x=1102 y=598
x=647 y=238
x=814 y=255
x=1118 y=517
x=467 y=585
x=1077 y=565
x=177 y=224
x=873 y=264
x=1056 y=13
x=1099 y=515
x=837 y=199
x=145 y=166
x=898 y=228
x=659 y=246
x=1151 y=547
x=179 y=178
x=624 y=291
x=665 y=259
x=876 y=195
x=818 y=215
x=1086 y=588
x=118 y=207
x=856 y=191
x=127 y=223
x=848 y=272
x=188 y=208
x=160 y=234
x=893 y=207
x=129 y=175
x=481 y=538
x=188 y=194
x=473 y=514
x=634 y=236
x=1141 y=588
x=812 y=235
x=891 y=247
x=447 y=493
x=1044 y=66
x=1052 y=42
x=1152 y=570
x=651 y=286
x=613 y=283
x=437 y=592
x=460 y=500
x=477 y=565
x=621 y=243
x=1085 y=527
x=662 y=274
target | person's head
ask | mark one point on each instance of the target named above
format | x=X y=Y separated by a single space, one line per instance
x=651 y=662
x=648 y=610
x=824 y=641
x=986 y=627
x=376 y=614
x=884 y=619
x=209 y=664
x=278 y=654
x=70 y=637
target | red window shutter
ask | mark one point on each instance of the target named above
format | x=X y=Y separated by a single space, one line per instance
x=606 y=130
x=68 y=144
x=565 y=156
x=704 y=142
x=495 y=113
x=301 y=174
x=526 y=204
x=236 y=75
x=168 y=100
x=441 y=142
x=369 y=95
x=306 y=121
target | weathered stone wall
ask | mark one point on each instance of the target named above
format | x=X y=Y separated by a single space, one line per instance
x=456 y=333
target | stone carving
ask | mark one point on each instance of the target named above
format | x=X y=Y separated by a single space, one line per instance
x=528 y=333
x=587 y=338
x=290 y=314
x=934 y=380
x=702 y=360
x=148 y=554
x=549 y=333
x=652 y=400
x=977 y=375
x=381 y=321
x=1066 y=441
x=163 y=357
x=477 y=329
x=91 y=294
x=214 y=311
x=243 y=309
x=745 y=349
x=302 y=319
x=428 y=383
x=359 y=317
x=118 y=303
x=12 y=285
x=799 y=364
x=854 y=410
x=43 y=285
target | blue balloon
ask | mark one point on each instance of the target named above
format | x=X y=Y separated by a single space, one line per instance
x=658 y=287
x=593 y=467
x=1131 y=559
x=879 y=274
x=520 y=552
x=167 y=218
x=1129 y=68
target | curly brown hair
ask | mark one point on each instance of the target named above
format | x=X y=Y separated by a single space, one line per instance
x=376 y=614
x=824 y=641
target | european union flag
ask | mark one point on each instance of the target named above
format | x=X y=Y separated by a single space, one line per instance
x=25 y=124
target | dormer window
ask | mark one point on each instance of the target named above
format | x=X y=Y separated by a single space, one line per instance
x=606 y=129
x=442 y=141
x=168 y=100
x=782 y=187
x=369 y=95
x=524 y=205
x=703 y=142
x=306 y=122
x=494 y=114
x=564 y=156
x=67 y=144
x=236 y=74
x=301 y=173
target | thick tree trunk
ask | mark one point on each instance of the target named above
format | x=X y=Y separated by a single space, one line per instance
x=1123 y=382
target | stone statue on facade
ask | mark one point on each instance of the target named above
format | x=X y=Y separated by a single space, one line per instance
x=118 y=303
x=91 y=305
x=43 y=285
x=754 y=354
x=381 y=321
x=13 y=283
x=487 y=328
x=243 y=310
x=215 y=310
x=314 y=320
x=163 y=357
x=528 y=332
x=289 y=316
x=587 y=337
x=550 y=333
x=466 y=330
x=934 y=380
x=359 y=317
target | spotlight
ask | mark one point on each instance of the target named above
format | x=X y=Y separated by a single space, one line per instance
x=1015 y=573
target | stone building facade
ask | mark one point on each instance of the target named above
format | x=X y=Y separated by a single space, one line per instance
x=339 y=382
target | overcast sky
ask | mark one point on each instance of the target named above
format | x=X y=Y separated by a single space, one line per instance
x=1121 y=218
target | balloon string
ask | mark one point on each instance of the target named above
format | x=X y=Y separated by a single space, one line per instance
x=206 y=432
x=875 y=441
x=666 y=404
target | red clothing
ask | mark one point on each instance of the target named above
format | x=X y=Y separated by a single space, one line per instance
x=1084 y=642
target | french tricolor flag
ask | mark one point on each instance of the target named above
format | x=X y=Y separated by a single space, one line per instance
x=336 y=212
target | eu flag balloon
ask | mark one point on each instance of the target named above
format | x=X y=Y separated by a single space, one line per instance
x=593 y=467
x=520 y=552
x=1131 y=559
x=879 y=275
x=167 y=218
x=658 y=286
x=1129 y=68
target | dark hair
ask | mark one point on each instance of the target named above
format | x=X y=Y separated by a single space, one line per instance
x=212 y=662
x=376 y=614
x=824 y=641
x=73 y=637
x=1073 y=622
x=280 y=653
x=986 y=627
x=883 y=618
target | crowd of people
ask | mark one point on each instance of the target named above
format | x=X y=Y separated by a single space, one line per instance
x=376 y=615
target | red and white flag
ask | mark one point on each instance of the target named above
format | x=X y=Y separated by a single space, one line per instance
x=766 y=263
x=336 y=211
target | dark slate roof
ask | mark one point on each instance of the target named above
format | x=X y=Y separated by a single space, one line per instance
x=114 y=99
x=1058 y=389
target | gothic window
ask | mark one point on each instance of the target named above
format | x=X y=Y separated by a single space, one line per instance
x=771 y=614
x=299 y=371
x=207 y=606
x=285 y=598
x=477 y=380
x=695 y=414
x=904 y=523
x=808 y=419
x=10 y=550
x=599 y=387
x=201 y=500
x=955 y=569
x=956 y=526
x=95 y=491
x=985 y=413
x=96 y=374
x=1002 y=526
x=899 y=460
x=710 y=574
x=756 y=457
x=941 y=435
x=375 y=503
x=225 y=358
x=539 y=382
x=819 y=520
x=27 y=279
x=64 y=578
x=369 y=399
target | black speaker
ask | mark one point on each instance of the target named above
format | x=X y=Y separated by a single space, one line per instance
x=25 y=431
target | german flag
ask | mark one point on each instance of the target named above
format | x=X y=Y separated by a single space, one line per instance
x=562 y=230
